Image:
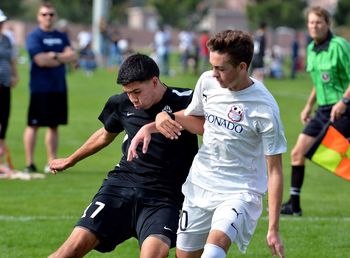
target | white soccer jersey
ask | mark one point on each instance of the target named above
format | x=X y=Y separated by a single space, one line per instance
x=241 y=127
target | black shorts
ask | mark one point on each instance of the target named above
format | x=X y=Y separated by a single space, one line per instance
x=321 y=118
x=5 y=103
x=48 y=109
x=119 y=213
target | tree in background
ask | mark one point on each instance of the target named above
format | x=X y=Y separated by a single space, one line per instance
x=12 y=8
x=342 y=14
x=277 y=13
x=185 y=15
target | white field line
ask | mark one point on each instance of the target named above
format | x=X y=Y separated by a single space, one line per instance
x=282 y=218
x=34 y=218
x=313 y=219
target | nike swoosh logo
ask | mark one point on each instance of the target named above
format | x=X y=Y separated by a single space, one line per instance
x=166 y=228
x=129 y=114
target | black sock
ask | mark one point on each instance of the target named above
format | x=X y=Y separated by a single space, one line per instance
x=296 y=184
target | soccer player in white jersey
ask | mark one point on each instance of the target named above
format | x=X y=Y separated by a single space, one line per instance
x=243 y=138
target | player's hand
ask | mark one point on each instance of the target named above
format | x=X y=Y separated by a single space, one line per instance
x=305 y=115
x=337 y=111
x=275 y=243
x=168 y=127
x=58 y=165
x=144 y=136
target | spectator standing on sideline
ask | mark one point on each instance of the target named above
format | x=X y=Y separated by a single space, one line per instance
x=49 y=51
x=204 y=51
x=186 y=48
x=328 y=62
x=114 y=58
x=86 y=57
x=141 y=198
x=87 y=60
x=162 y=40
x=258 y=67
x=294 y=56
x=243 y=137
x=8 y=80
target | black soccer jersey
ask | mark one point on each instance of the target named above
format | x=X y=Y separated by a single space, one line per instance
x=166 y=164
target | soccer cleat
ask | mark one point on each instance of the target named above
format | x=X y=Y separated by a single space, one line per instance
x=30 y=169
x=287 y=209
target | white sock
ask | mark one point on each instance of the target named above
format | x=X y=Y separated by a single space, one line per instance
x=213 y=251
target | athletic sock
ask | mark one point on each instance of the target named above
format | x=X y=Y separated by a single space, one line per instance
x=213 y=251
x=296 y=184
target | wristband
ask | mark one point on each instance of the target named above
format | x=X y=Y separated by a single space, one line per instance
x=56 y=57
x=171 y=114
x=346 y=101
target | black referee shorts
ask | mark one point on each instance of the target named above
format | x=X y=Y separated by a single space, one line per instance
x=48 y=109
x=321 y=118
x=119 y=213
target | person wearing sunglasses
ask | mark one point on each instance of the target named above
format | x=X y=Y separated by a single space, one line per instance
x=49 y=50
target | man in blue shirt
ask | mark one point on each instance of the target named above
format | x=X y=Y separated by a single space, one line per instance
x=49 y=50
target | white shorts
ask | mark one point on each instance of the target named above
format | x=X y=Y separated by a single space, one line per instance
x=234 y=214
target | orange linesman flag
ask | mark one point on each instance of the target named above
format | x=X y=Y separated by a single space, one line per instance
x=332 y=152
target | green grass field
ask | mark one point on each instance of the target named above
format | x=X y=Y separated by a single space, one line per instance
x=36 y=216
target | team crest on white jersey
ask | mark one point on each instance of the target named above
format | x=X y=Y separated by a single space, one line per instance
x=235 y=113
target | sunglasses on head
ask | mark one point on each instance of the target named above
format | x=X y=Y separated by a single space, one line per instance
x=47 y=14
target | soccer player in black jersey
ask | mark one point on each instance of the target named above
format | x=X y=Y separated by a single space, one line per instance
x=140 y=198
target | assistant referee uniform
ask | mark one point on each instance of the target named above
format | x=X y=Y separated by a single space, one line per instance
x=142 y=197
x=329 y=67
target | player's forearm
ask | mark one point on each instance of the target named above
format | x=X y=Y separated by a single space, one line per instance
x=312 y=99
x=95 y=143
x=274 y=200
x=193 y=124
x=151 y=127
x=347 y=93
x=68 y=55
x=47 y=59
x=275 y=190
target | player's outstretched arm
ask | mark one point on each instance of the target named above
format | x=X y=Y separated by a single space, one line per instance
x=143 y=136
x=96 y=142
x=275 y=190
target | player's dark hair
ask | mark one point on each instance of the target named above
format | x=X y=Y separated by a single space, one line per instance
x=237 y=44
x=137 y=67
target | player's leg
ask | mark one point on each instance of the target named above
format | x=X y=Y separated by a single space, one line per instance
x=5 y=104
x=51 y=141
x=188 y=254
x=155 y=246
x=29 y=140
x=79 y=243
x=234 y=221
x=157 y=222
x=304 y=142
x=217 y=245
x=194 y=226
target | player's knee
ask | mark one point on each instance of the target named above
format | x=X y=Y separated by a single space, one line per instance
x=228 y=230
x=297 y=156
x=213 y=251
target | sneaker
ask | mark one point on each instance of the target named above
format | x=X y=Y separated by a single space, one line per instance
x=30 y=169
x=287 y=209
x=47 y=169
